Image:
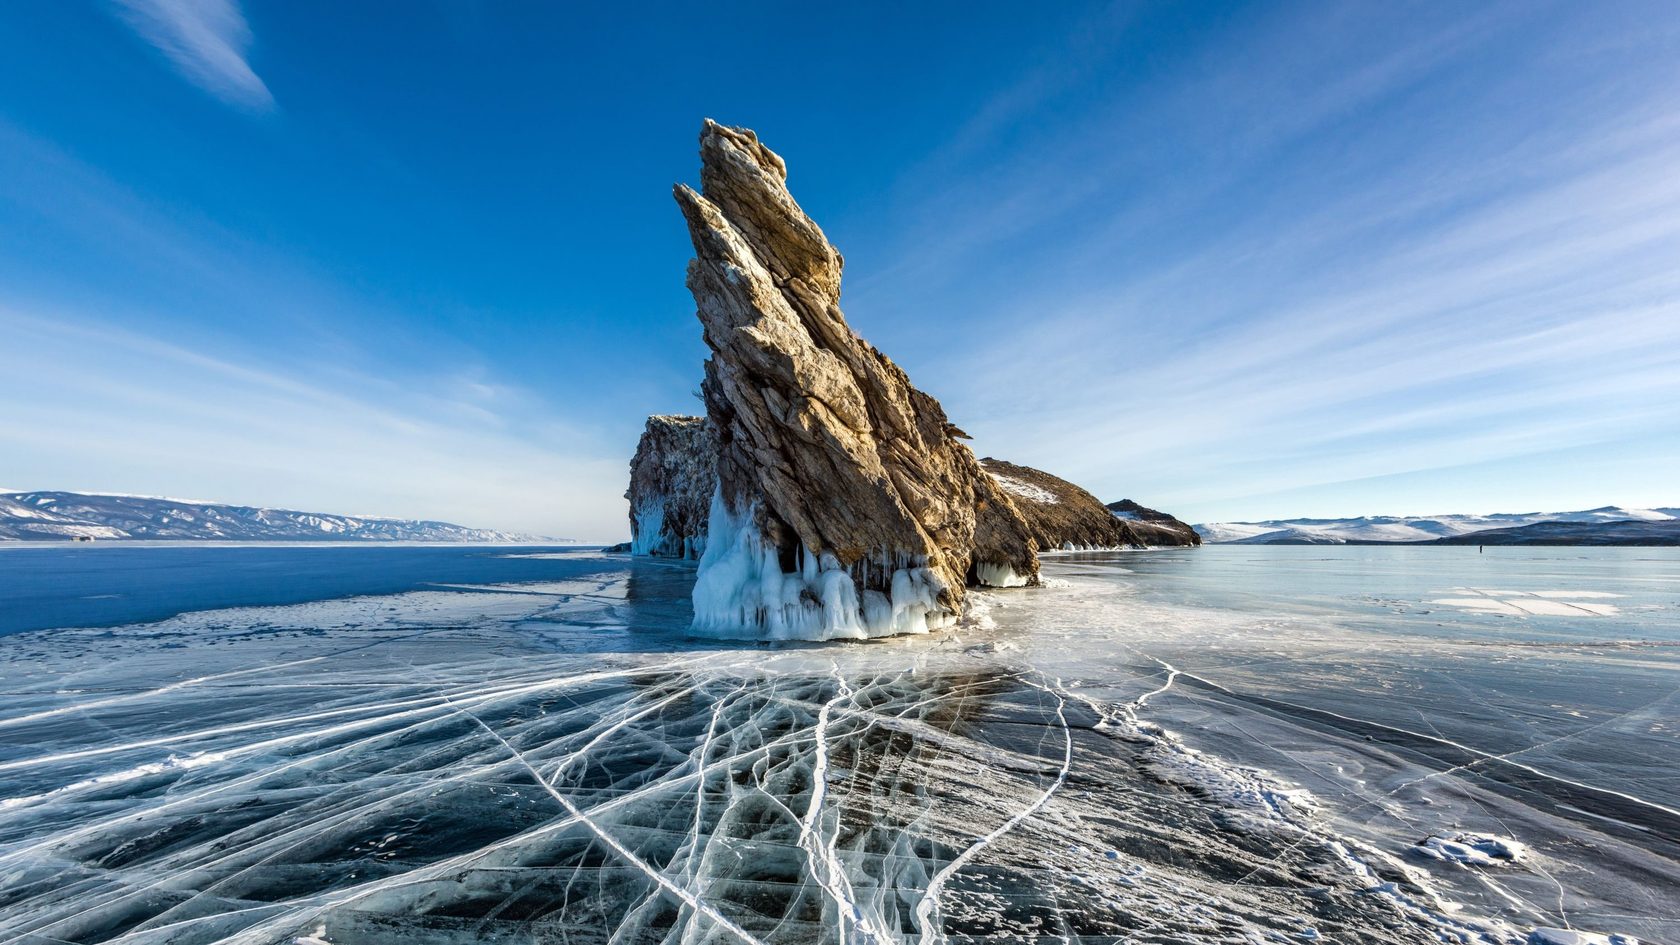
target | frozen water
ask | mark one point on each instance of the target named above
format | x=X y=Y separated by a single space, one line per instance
x=1213 y=745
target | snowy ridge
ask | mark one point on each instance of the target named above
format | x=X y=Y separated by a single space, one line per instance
x=1399 y=528
x=57 y=516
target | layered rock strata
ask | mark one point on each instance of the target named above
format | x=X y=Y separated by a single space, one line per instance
x=672 y=478
x=846 y=503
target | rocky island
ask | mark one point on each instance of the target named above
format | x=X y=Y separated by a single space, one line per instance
x=672 y=478
x=1064 y=517
x=839 y=500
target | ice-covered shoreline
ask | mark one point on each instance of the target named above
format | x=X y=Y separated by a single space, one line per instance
x=382 y=744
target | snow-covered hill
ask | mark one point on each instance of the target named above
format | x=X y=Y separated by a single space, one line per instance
x=1627 y=532
x=1386 y=528
x=49 y=516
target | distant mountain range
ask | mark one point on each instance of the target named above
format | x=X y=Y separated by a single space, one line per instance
x=60 y=516
x=1610 y=525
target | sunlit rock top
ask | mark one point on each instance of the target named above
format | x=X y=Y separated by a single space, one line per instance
x=1065 y=517
x=847 y=506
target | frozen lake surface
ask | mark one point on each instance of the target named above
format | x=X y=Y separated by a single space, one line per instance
x=1225 y=744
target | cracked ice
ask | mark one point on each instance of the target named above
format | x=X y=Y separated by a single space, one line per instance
x=556 y=762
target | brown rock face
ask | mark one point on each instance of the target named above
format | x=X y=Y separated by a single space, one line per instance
x=1064 y=516
x=1156 y=528
x=672 y=478
x=847 y=506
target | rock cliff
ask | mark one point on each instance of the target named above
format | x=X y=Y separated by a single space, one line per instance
x=1063 y=516
x=847 y=506
x=1155 y=528
x=672 y=478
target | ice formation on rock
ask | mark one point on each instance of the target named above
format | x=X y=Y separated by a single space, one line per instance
x=672 y=478
x=846 y=503
x=742 y=590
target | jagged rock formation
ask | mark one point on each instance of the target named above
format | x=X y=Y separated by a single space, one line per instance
x=1154 y=528
x=847 y=506
x=672 y=478
x=1066 y=517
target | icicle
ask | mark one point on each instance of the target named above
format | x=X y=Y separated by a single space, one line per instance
x=741 y=591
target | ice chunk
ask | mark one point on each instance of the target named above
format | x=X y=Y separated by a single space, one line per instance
x=1473 y=849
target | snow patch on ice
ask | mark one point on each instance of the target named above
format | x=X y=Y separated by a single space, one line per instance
x=1531 y=603
x=1257 y=800
x=174 y=763
x=1548 y=936
x=1416 y=900
x=1473 y=849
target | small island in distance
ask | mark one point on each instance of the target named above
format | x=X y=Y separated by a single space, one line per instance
x=78 y=516
x=1609 y=525
x=72 y=516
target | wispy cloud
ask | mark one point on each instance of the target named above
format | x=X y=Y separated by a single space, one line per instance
x=216 y=366
x=1323 y=274
x=145 y=415
x=207 y=40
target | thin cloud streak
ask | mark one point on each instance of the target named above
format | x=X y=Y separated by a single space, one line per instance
x=141 y=415
x=1388 y=303
x=208 y=41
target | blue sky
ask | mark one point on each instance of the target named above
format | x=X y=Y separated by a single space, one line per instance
x=1231 y=260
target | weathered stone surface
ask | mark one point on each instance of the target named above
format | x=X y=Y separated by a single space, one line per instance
x=847 y=504
x=672 y=478
x=1064 y=516
x=1155 y=528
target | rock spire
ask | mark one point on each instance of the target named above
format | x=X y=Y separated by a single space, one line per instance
x=847 y=504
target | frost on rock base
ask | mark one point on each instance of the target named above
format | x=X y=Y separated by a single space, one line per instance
x=988 y=574
x=742 y=592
